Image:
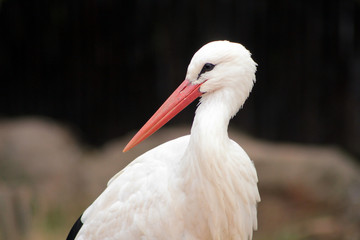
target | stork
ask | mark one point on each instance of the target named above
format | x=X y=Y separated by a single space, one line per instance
x=202 y=186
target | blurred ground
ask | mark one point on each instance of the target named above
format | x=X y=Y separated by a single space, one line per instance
x=47 y=179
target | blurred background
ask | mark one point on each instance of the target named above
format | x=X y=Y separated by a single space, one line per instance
x=78 y=78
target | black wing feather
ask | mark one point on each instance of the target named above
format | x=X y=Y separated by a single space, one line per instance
x=75 y=229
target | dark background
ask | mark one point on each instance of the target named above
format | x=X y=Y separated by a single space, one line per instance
x=103 y=67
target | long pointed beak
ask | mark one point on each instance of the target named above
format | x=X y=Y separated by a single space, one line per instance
x=185 y=94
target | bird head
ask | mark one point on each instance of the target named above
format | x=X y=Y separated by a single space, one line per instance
x=220 y=68
x=223 y=67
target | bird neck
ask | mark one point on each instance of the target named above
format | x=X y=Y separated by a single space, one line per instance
x=209 y=137
x=209 y=131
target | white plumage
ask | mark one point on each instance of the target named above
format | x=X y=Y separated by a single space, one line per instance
x=202 y=186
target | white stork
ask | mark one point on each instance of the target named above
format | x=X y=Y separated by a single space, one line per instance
x=202 y=186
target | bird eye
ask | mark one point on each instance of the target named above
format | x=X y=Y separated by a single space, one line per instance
x=206 y=68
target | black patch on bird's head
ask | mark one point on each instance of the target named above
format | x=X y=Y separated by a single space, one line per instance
x=206 y=68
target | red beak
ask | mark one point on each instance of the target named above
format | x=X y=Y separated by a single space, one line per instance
x=185 y=94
